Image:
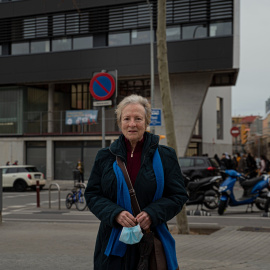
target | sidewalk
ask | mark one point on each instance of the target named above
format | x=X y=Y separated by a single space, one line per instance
x=57 y=246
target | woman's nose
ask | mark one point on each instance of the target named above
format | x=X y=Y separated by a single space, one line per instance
x=132 y=123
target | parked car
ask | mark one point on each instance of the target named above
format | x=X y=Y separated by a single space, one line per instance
x=20 y=177
x=197 y=167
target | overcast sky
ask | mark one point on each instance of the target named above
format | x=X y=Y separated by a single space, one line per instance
x=253 y=84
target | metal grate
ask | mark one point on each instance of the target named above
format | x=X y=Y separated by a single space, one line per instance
x=112 y=18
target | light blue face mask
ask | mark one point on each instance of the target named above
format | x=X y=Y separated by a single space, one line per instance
x=131 y=235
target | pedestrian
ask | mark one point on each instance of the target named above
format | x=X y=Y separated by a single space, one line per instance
x=108 y=198
x=15 y=162
x=80 y=168
x=7 y=164
x=264 y=165
x=242 y=165
x=251 y=166
x=224 y=162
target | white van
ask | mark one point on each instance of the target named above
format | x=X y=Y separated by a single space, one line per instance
x=21 y=177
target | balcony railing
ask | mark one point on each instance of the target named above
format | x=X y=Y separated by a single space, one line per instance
x=41 y=123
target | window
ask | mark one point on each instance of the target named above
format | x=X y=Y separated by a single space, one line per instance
x=35 y=27
x=61 y=44
x=173 y=33
x=0 y=49
x=140 y=37
x=20 y=48
x=220 y=29
x=80 y=97
x=199 y=162
x=186 y=162
x=59 y=25
x=194 y=31
x=40 y=46
x=82 y=43
x=72 y=23
x=12 y=170
x=219 y=118
x=117 y=39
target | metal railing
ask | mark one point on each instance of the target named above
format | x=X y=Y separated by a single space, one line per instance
x=41 y=123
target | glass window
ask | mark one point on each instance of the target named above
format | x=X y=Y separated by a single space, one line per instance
x=42 y=26
x=84 y=22
x=194 y=31
x=173 y=33
x=220 y=29
x=139 y=37
x=59 y=25
x=186 y=162
x=82 y=43
x=61 y=44
x=143 y=15
x=116 y=39
x=40 y=46
x=12 y=170
x=72 y=23
x=35 y=27
x=219 y=118
x=29 y=28
x=199 y=162
x=20 y=48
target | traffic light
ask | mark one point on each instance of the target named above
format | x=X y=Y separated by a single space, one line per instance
x=245 y=136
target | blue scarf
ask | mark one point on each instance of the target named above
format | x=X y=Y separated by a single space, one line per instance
x=117 y=248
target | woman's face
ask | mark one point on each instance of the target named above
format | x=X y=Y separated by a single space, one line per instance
x=133 y=122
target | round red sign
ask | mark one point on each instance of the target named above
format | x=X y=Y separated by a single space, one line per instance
x=102 y=86
x=235 y=131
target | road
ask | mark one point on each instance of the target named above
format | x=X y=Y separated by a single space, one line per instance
x=23 y=207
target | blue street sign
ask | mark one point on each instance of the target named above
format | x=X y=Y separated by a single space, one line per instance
x=156 y=117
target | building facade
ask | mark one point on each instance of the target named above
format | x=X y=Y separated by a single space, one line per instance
x=50 y=50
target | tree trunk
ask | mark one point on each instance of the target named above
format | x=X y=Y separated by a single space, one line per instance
x=165 y=90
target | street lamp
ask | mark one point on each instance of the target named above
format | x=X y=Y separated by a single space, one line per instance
x=152 y=128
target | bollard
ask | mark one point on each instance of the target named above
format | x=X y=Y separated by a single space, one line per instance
x=38 y=195
x=1 y=198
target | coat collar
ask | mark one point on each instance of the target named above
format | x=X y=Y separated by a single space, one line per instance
x=118 y=147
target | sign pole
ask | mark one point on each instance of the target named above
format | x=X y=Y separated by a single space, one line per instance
x=103 y=126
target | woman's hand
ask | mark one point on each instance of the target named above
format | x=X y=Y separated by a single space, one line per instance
x=144 y=220
x=126 y=219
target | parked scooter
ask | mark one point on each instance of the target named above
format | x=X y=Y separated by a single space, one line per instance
x=255 y=191
x=204 y=191
x=267 y=204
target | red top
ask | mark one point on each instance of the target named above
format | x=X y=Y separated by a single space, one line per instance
x=134 y=159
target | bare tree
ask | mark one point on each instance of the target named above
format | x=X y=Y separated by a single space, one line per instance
x=165 y=90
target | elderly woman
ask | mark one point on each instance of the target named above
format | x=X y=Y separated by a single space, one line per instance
x=136 y=148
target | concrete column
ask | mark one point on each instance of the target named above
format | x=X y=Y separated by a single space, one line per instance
x=50 y=107
x=188 y=94
x=49 y=160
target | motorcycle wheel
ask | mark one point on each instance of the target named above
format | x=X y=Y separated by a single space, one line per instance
x=222 y=207
x=267 y=205
x=214 y=203
x=260 y=205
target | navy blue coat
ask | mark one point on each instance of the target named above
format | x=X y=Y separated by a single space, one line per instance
x=101 y=196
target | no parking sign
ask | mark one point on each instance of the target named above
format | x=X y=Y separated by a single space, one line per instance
x=102 y=86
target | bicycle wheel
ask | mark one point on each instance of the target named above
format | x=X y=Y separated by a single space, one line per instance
x=69 y=200
x=80 y=200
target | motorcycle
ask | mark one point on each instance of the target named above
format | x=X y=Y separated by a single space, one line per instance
x=255 y=191
x=267 y=204
x=203 y=191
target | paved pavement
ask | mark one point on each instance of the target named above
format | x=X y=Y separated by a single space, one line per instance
x=36 y=245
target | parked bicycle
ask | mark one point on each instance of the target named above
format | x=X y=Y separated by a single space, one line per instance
x=76 y=196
